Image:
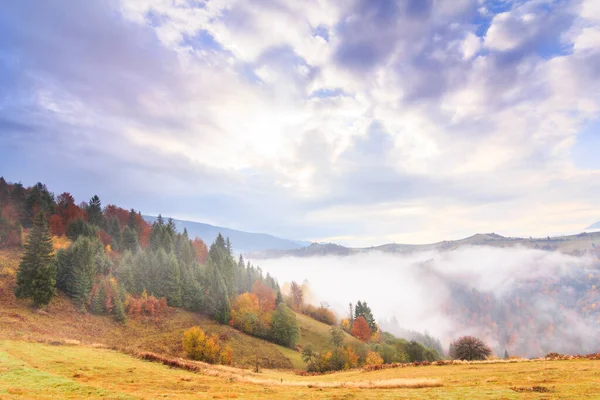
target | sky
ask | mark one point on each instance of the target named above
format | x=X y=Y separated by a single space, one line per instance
x=358 y=122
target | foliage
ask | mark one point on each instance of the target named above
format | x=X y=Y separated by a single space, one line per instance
x=363 y=310
x=322 y=313
x=284 y=326
x=77 y=267
x=470 y=348
x=202 y=347
x=94 y=212
x=80 y=227
x=297 y=297
x=373 y=359
x=36 y=276
x=107 y=297
x=361 y=330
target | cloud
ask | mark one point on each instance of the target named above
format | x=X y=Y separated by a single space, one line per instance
x=471 y=290
x=384 y=120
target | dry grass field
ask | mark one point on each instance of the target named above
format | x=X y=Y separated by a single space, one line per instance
x=40 y=371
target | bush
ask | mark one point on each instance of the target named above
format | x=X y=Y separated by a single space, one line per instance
x=321 y=314
x=201 y=347
x=470 y=348
x=373 y=359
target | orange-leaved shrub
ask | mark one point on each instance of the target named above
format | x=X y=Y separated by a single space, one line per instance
x=208 y=348
x=322 y=314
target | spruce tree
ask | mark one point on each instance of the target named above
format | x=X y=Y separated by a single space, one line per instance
x=172 y=282
x=114 y=230
x=94 y=212
x=130 y=239
x=36 y=276
x=218 y=297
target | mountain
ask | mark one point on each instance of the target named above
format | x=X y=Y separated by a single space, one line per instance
x=571 y=244
x=243 y=241
x=593 y=226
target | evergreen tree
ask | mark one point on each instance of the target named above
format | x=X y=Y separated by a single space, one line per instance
x=172 y=282
x=363 y=310
x=130 y=239
x=81 y=227
x=218 y=297
x=133 y=222
x=125 y=272
x=77 y=268
x=192 y=289
x=506 y=357
x=36 y=276
x=94 y=212
x=38 y=199
x=114 y=230
x=278 y=298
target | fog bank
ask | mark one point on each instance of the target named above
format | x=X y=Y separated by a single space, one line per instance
x=523 y=300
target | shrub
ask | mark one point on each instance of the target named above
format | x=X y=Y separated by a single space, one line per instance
x=322 y=314
x=470 y=348
x=202 y=347
x=373 y=359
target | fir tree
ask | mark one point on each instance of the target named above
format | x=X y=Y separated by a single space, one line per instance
x=218 y=297
x=94 y=212
x=172 y=282
x=130 y=239
x=36 y=276
x=114 y=230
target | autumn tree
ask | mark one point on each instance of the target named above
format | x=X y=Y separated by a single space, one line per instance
x=200 y=250
x=265 y=296
x=36 y=276
x=361 y=330
x=363 y=310
x=470 y=348
x=297 y=297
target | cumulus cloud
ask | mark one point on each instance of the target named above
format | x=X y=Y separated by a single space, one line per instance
x=305 y=113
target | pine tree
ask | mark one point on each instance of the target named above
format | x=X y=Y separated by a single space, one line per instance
x=130 y=239
x=94 y=212
x=83 y=270
x=218 y=297
x=172 y=282
x=132 y=222
x=125 y=272
x=36 y=276
x=114 y=230
x=506 y=357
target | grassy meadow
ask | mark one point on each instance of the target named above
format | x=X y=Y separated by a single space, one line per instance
x=40 y=371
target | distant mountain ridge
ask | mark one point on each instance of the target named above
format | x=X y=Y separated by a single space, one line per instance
x=243 y=242
x=594 y=226
x=571 y=244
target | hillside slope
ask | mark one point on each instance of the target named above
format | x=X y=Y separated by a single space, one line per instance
x=61 y=320
x=243 y=241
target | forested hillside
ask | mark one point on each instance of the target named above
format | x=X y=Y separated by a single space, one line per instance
x=108 y=261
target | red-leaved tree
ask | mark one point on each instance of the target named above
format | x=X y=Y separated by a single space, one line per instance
x=361 y=330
